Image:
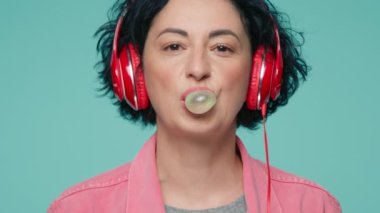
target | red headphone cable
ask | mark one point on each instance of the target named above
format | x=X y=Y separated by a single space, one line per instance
x=264 y=113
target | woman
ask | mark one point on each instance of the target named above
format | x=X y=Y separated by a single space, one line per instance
x=197 y=70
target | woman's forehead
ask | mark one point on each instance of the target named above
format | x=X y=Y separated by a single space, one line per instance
x=199 y=15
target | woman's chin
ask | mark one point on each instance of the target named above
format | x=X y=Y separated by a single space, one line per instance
x=201 y=127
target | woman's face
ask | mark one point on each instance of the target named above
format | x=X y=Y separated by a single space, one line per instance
x=194 y=44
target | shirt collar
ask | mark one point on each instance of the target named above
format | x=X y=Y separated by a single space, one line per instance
x=144 y=192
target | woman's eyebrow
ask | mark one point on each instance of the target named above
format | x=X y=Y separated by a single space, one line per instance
x=173 y=30
x=220 y=32
x=212 y=34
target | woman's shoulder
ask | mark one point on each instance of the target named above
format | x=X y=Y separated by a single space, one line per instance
x=290 y=188
x=106 y=186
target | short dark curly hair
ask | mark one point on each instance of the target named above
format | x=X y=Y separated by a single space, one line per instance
x=258 y=17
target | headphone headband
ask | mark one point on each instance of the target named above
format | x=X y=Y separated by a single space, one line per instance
x=277 y=75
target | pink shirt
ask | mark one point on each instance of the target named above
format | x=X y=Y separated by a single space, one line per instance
x=135 y=188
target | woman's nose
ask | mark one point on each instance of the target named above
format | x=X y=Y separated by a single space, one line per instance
x=198 y=66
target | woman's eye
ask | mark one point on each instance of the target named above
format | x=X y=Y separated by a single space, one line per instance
x=173 y=47
x=223 y=49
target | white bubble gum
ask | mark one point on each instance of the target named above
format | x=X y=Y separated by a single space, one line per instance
x=200 y=102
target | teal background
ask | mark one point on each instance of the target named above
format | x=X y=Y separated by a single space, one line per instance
x=55 y=131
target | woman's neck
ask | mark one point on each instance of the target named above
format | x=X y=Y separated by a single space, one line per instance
x=199 y=172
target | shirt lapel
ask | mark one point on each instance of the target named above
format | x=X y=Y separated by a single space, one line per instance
x=255 y=183
x=144 y=193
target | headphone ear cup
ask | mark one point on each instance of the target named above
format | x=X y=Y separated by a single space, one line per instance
x=142 y=94
x=127 y=77
x=140 y=89
x=277 y=76
x=261 y=78
x=253 y=87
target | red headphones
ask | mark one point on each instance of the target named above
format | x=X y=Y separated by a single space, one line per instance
x=127 y=76
x=128 y=79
